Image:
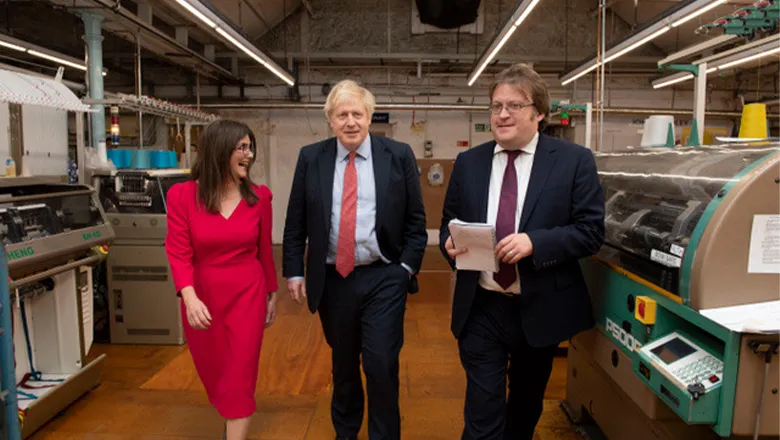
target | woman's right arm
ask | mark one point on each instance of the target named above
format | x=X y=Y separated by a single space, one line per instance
x=178 y=245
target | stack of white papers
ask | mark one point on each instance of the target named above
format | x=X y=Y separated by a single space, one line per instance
x=480 y=240
x=762 y=317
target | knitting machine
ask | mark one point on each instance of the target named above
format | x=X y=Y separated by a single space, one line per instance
x=52 y=234
x=143 y=306
x=692 y=234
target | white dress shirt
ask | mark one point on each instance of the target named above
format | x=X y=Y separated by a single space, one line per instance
x=523 y=164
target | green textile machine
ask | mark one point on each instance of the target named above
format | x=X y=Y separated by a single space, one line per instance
x=684 y=292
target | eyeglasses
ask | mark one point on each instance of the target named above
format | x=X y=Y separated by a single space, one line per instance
x=244 y=148
x=512 y=107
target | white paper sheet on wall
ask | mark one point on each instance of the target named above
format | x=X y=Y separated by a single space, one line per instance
x=764 y=256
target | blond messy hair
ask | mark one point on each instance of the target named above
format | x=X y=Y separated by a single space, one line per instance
x=346 y=90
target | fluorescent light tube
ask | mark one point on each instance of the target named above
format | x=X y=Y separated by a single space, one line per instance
x=493 y=53
x=227 y=31
x=709 y=7
x=526 y=12
x=637 y=44
x=581 y=74
x=197 y=13
x=673 y=81
x=12 y=46
x=750 y=58
x=507 y=32
x=689 y=11
x=56 y=60
x=253 y=55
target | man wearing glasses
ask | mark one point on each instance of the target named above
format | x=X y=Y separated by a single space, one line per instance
x=545 y=200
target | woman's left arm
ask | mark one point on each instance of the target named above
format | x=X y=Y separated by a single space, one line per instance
x=265 y=252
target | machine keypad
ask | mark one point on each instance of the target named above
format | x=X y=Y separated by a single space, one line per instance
x=700 y=370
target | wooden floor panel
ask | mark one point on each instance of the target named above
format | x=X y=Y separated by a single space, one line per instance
x=153 y=392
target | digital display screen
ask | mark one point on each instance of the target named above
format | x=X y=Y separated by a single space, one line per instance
x=673 y=350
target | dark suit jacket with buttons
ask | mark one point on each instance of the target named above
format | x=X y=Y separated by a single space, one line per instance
x=563 y=215
x=400 y=215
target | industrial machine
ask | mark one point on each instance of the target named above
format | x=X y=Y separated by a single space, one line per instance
x=143 y=306
x=689 y=232
x=52 y=233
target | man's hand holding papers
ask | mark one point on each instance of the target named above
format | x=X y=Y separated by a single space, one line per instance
x=472 y=245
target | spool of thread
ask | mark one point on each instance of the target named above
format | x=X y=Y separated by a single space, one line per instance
x=115 y=156
x=158 y=159
x=753 y=123
x=141 y=159
x=102 y=152
x=121 y=157
x=656 y=130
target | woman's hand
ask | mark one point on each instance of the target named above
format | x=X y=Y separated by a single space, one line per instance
x=197 y=314
x=270 y=314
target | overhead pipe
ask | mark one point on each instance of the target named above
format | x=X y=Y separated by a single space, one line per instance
x=93 y=25
x=464 y=107
x=119 y=10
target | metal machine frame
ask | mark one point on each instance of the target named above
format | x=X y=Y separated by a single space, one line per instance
x=143 y=306
x=648 y=283
x=48 y=297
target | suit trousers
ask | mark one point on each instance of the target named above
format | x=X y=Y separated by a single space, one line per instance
x=363 y=314
x=493 y=347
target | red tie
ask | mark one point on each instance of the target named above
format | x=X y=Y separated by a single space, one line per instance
x=345 y=254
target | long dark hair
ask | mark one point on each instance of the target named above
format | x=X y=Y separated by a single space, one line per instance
x=212 y=167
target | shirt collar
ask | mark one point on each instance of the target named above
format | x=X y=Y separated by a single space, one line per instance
x=364 y=150
x=529 y=148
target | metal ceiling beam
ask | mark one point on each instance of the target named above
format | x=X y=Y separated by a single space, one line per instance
x=697 y=48
x=124 y=13
x=123 y=23
x=426 y=57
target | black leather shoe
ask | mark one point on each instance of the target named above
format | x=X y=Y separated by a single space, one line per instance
x=341 y=437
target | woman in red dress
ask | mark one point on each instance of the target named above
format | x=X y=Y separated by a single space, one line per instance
x=219 y=248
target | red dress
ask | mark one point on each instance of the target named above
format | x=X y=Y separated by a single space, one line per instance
x=229 y=262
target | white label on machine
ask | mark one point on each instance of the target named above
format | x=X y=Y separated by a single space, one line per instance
x=677 y=250
x=764 y=256
x=665 y=259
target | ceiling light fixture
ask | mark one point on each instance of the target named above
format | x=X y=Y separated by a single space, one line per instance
x=226 y=30
x=675 y=16
x=40 y=52
x=520 y=14
x=721 y=65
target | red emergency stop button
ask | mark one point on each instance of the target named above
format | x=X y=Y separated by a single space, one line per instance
x=644 y=311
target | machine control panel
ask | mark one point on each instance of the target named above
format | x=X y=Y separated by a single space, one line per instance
x=688 y=363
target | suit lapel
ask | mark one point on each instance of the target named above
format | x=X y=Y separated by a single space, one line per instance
x=482 y=179
x=382 y=159
x=544 y=161
x=327 y=169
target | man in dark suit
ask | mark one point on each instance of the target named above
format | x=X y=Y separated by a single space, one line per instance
x=545 y=200
x=357 y=200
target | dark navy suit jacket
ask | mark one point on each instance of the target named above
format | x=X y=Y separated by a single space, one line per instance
x=563 y=215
